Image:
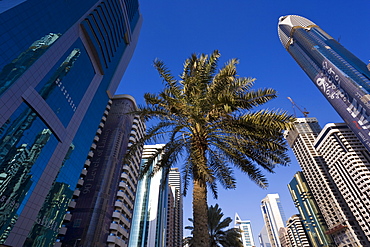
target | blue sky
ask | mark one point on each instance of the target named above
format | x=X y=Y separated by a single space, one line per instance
x=247 y=30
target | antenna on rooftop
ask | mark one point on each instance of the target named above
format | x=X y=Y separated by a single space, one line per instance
x=304 y=112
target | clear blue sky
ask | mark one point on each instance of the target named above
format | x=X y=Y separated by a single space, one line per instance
x=247 y=30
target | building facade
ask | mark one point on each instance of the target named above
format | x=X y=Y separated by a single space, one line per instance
x=103 y=211
x=58 y=69
x=311 y=217
x=349 y=166
x=175 y=209
x=342 y=78
x=341 y=223
x=245 y=228
x=263 y=238
x=274 y=218
x=296 y=233
x=149 y=223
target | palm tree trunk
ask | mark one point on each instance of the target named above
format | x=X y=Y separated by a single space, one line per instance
x=200 y=209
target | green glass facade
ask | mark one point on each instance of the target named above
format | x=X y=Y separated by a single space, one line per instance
x=312 y=219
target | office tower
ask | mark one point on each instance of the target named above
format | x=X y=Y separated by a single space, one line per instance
x=175 y=209
x=60 y=63
x=148 y=228
x=245 y=228
x=296 y=233
x=311 y=217
x=342 y=78
x=103 y=210
x=342 y=225
x=273 y=216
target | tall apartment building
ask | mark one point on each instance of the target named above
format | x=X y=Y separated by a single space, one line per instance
x=341 y=77
x=274 y=218
x=103 y=211
x=149 y=223
x=175 y=209
x=305 y=140
x=58 y=69
x=348 y=162
x=245 y=228
x=312 y=219
x=296 y=232
x=283 y=237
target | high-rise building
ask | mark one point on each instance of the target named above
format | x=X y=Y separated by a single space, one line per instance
x=307 y=141
x=296 y=232
x=103 y=211
x=245 y=228
x=273 y=216
x=311 y=217
x=60 y=63
x=175 y=223
x=263 y=238
x=348 y=162
x=342 y=78
x=149 y=223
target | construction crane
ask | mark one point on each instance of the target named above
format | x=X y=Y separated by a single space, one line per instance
x=304 y=112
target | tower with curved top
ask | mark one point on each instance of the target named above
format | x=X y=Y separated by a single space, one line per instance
x=339 y=75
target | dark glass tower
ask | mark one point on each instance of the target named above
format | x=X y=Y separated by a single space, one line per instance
x=60 y=63
x=342 y=78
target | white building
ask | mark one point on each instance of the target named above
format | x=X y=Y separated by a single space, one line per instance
x=296 y=233
x=349 y=167
x=336 y=166
x=273 y=217
x=246 y=231
x=148 y=228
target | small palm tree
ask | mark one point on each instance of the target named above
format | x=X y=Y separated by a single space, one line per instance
x=218 y=236
x=208 y=115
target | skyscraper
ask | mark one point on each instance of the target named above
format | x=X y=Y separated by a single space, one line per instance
x=263 y=238
x=273 y=216
x=176 y=224
x=296 y=233
x=148 y=228
x=312 y=218
x=342 y=78
x=324 y=181
x=245 y=228
x=349 y=167
x=103 y=212
x=61 y=62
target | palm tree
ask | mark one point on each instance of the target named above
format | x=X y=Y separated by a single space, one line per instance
x=208 y=116
x=218 y=236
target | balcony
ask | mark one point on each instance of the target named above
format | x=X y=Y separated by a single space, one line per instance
x=76 y=193
x=87 y=163
x=72 y=204
x=80 y=182
x=67 y=217
x=63 y=231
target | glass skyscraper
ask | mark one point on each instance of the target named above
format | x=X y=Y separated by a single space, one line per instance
x=312 y=218
x=60 y=63
x=149 y=221
x=342 y=78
